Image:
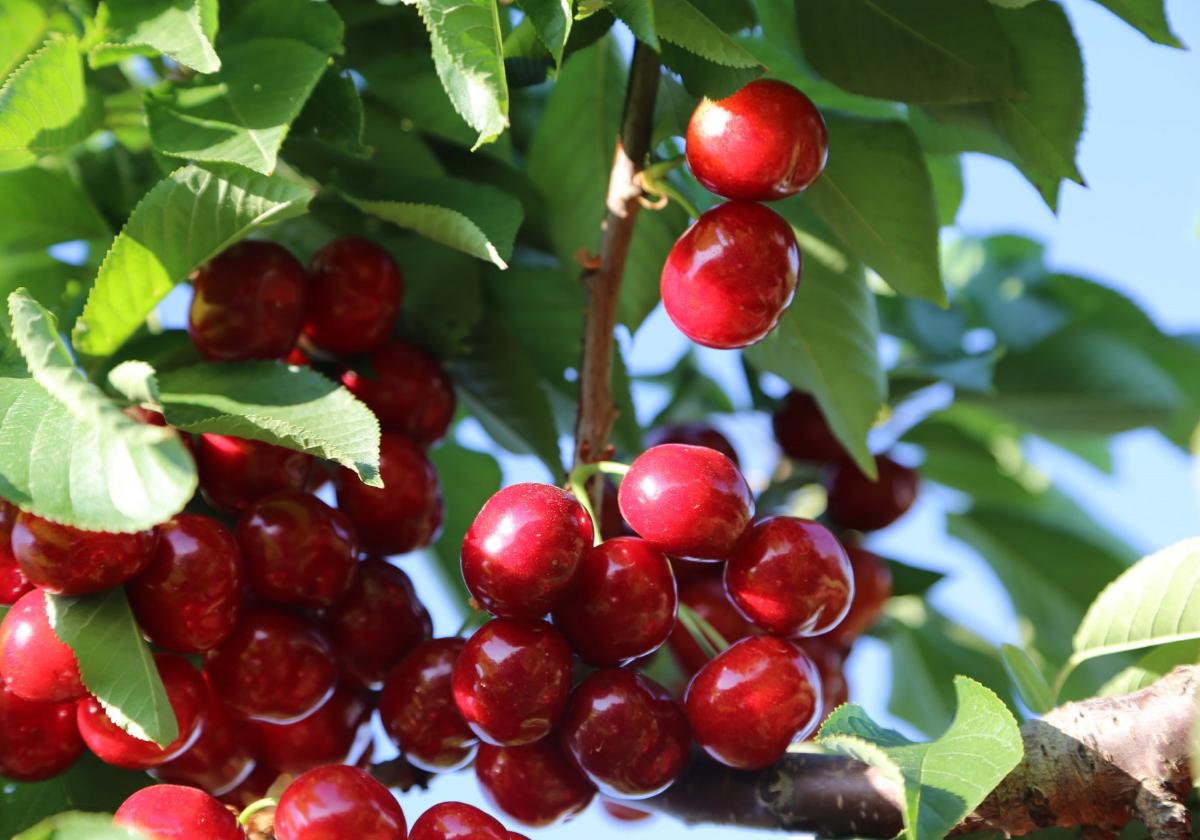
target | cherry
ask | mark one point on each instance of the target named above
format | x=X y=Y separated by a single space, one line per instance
x=327 y=736
x=864 y=505
x=830 y=661
x=522 y=550
x=457 y=821
x=377 y=623
x=336 y=802
x=70 y=561
x=535 y=784
x=276 y=667
x=236 y=472
x=612 y=524
x=418 y=712
x=872 y=588
x=13 y=583
x=409 y=392
x=622 y=812
x=35 y=663
x=248 y=304
x=626 y=734
x=754 y=699
x=221 y=758
x=404 y=514
x=790 y=576
x=688 y=501
x=694 y=434
x=708 y=599
x=687 y=571
x=802 y=432
x=354 y=294
x=620 y=604
x=188 y=696
x=298 y=550
x=174 y=812
x=512 y=680
x=730 y=275
x=765 y=142
x=188 y=598
x=37 y=740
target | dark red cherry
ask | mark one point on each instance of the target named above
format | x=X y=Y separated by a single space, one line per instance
x=188 y=696
x=174 y=812
x=418 y=712
x=535 y=784
x=512 y=680
x=621 y=812
x=377 y=623
x=298 y=550
x=688 y=571
x=708 y=599
x=753 y=700
x=801 y=430
x=354 y=293
x=457 y=821
x=327 y=736
x=404 y=514
x=220 y=759
x=831 y=664
x=336 y=803
x=872 y=588
x=864 y=505
x=408 y=390
x=36 y=665
x=693 y=434
x=523 y=548
x=730 y=275
x=626 y=734
x=612 y=524
x=276 y=667
x=621 y=603
x=248 y=304
x=765 y=142
x=13 y=583
x=236 y=472
x=688 y=501
x=189 y=597
x=37 y=740
x=69 y=561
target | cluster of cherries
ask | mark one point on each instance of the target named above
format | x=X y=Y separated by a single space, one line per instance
x=729 y=277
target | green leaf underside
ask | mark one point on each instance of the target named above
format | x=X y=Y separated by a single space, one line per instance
x=44 y=105
x=1148 y=16
x=638 y=15
x=1152 y=666
x=79 y=827
x=552 y=20
x=170 y=27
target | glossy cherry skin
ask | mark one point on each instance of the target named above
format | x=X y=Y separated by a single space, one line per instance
x=409 y=392
x=418 y=712
x=765 y=142
x=693 y=434
x=377 y=623
x=37 y=740
x=708 y=599
x=872 y=589
x=220 y=759
x=512 y=680
x=35 y=664
x=327 y=736
x=188 y=696
x=189 y=597
x=457 y=821
x=864 y=505
x=248 y=304
x=520 y=553
x=336 y=803
x=404 y=514
x=687 y=501
x=626 y=734
x=174 y=812
x=276 y=667
x=802 y=432
x=536 y=784
x=298 y=550
x=236 y=472
x=730 y=275
x=354 y=294
x=69 y=561
x=754 y=699
x=13 y=583
x=831 y=663
x=620 y=604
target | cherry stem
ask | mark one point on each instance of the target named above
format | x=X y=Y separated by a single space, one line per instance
x=706 y=636
x=578 y=485
x=254 y=807
x=473 y=618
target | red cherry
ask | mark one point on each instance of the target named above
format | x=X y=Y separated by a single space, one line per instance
x=457 y=821
x=236 y=472
x=188 y=598
x=730 y=275
x=69 y=561
x=354 y=295
x=801 y=430
x=276 y=667
x=37 y=740
x=864 y=505
x=523 y=548
x=409 y=392
x=535 y=784
x=298 y=550
x=831 y=662
x=248 y=304
x=188 y=696
x=754 y=699
x=418 y=711
x=404 y=514
x=693 y=434
x=763 y=143
x=35 y=663
x=707 y=598
x=622 y=812
x=13 y=583
x=297 y=358
x=336 y=803
x=872 y=588
x=620 y=604
x=220 y=760
x=327 y=736
x=688 y=571
x=612 y=524
x=173 y=812
x=688 y=501
x=512 y=680
x=377 y=623
x=626 y=734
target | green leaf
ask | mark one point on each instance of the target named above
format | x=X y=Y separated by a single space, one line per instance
x=186 y=219
x=552 y=19
x=1152 y=666
x=79 y=827
x=702 y=77
x=437 y=315
x=55 y=285
x=170 y=27
x=44 y=105
x=22 y=28
x=312 y=22
x=946 y=172
x=638 y=15
x=680 y=23
x=333 y=114
x=1029 y=680
x=1147 y=16
x=468 y=479
x=88 y=785
x=40 y=207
